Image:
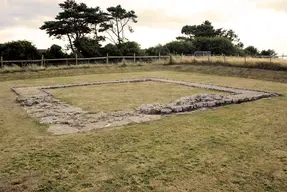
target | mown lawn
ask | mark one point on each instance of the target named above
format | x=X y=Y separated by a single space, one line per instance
x=125 y=96
x=232 y=148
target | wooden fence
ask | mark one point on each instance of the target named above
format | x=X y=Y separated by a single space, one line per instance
x=116 y=59
x=77 y=60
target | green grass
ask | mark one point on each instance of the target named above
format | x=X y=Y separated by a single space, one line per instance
x=249 y=62
x=233 y=148
x=252 y=73
x=126 y=96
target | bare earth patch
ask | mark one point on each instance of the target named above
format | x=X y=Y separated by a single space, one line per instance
x=64 y=118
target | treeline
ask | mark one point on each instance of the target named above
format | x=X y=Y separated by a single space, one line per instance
x=217 y=46
x=86 y=29
x=205 y=37
x=25 y=50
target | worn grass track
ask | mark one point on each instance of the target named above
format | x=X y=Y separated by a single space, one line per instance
x=233 y=148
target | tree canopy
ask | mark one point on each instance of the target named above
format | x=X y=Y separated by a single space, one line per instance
x=19 y=50
x=156 y=50
x=71 y=22
x=206 y=29
x=216 y=45
x=193 y=31
x=118 y=20
x=85 y=26
x=128 y=48
x=55 y=52
x=206 y=37
x=269 y=52
x=251 y=51
x=181 y=47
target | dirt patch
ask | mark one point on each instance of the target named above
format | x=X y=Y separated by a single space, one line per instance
x=64 y=118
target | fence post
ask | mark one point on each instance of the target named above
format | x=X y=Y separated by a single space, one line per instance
x=170 y=59
x=224 y=57
x=124 y=60
x=1 y=62
x=270 y=59
x=107 y=58
x=134 y=58
x=182 y=58
x=67 y=62
x=159 y=57
x=282 y=56
x=42 y=61
x=208 y=59
x=76 y=59
x=245 y=60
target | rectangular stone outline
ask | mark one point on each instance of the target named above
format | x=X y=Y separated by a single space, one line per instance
x=65 y=118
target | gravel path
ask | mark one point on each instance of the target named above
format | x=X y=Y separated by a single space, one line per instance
x=64 y=118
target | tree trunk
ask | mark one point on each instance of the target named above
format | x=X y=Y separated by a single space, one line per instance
x=118 y=31
x=71 y=43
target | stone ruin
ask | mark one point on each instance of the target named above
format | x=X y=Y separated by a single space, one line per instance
x=63 y=118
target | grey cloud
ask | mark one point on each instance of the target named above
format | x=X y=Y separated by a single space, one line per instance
x=160 y=19
x=27 y=13
x=32 y=14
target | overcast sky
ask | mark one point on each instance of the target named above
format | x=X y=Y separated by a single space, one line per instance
x=261 y=23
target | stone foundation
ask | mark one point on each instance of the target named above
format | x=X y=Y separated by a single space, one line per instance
x=64 y=118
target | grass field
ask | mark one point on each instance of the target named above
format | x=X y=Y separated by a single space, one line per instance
x=260 y=63
x=252 y=73
x=126 y=96
x=232 y=148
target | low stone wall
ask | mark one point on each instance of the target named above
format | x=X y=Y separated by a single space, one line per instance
x=191 y=103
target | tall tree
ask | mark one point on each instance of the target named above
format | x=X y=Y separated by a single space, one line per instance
x=118 y=20
x=74 y=22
